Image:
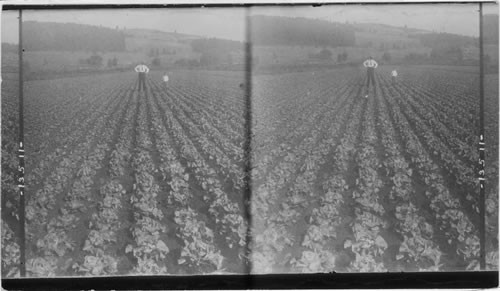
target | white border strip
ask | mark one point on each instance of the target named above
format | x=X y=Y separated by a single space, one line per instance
x=225 y=2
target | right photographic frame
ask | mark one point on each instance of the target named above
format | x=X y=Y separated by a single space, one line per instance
x=374 y=138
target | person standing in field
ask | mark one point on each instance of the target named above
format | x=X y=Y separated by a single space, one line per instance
x=142 y=70
x=165 y=79
x=370 y=64
x=394 y=74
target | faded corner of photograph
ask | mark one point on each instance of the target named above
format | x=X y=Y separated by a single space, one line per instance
x=10 y=244
x=134 y=130
x=366 y=122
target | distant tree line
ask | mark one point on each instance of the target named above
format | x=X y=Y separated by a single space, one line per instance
x=41 y=36
x=434 y=40
x=215 y=44
x=451 y=56
x=156 y=52
x=112 y=63
x=9 y=48
x=342 y=57
x=324 y=54
x=445 y=47
x=216 y=51
x=271 y=30
x=96 y=60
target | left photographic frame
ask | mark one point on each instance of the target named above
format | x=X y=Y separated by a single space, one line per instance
x=134 y=131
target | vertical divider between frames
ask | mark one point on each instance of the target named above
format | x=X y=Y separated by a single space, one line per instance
x=248 y=138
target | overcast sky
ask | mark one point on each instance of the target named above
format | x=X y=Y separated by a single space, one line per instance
x=230 y=22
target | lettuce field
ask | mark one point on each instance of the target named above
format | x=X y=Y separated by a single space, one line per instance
x=385 y=183
x=121 y=182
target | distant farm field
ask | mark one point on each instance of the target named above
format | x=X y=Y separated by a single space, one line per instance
x=121 y=182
